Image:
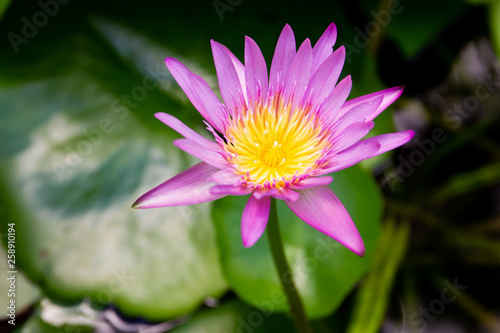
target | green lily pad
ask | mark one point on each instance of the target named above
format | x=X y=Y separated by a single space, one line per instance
x=324 y=271
x=403 y=21
x=75 y=155
x=4 y=5
x=235 y=316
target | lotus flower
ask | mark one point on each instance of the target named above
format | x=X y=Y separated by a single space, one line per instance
x=282 y=133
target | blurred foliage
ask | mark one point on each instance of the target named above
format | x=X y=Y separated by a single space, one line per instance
x=79 y=84
x=374 y=295
x=4 y=4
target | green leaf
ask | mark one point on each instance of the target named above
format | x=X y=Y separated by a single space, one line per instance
x=494 y=20
x=235 y=316
x=459 y=184
x=75 y=156
x=400 y=19
x=4 y=5
x=324 y=271
x=373 y=297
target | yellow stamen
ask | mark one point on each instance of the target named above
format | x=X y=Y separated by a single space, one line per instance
x=271 y=146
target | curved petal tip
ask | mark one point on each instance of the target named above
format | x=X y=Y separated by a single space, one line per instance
x=358 y=249
x=320 y=208
x=159 y=115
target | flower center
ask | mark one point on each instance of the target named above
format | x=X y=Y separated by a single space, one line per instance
x=273 y=147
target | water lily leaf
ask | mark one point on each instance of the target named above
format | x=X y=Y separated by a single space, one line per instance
x=324 y=271
x=75 y=155
x=235 y=316
x=4 y=5
x=401 y=17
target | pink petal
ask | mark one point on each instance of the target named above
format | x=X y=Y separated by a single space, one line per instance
x=225 y=177
x=282 y=59
x=286 y=194
x=324 y=46
x=240 y=71
x=254 y=220
x=312 y=182
x=211 y=157
x=358 y=113
x=366 y=149
x=231 y=190
x=388 y=95
x=264 y=192
x=185 y=131
x=255 y=72
x=336 y=99
x=325 y=77
x=352 y=155
x=202 y=97
x=299 y=74
x=189 y=187
x=320 y=208
x=390 y=141
x=211 y=103
x=352 y=134
x=229 y=81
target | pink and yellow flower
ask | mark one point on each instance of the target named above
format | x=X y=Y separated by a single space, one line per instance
x=282 y=134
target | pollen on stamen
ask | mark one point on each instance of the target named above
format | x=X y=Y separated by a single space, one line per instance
x=272 y=146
